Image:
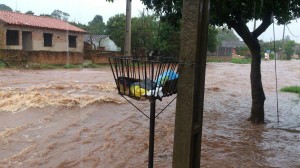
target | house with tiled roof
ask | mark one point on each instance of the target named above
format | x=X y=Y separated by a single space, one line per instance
x=40 y=36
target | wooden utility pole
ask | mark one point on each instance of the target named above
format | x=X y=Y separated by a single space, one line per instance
x=190 y=96
x=127 y=47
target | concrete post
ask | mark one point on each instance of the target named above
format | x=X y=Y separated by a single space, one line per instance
x=127 y=47
x=190 y=96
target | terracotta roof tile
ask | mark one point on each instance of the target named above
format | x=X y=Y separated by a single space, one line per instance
x=19 y=19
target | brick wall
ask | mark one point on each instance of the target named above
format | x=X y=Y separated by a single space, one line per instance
x=99 y=57
x=47 y=57
x=19 y=57
x=13 y=57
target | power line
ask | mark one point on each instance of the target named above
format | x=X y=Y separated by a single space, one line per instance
x=292 y=33
x=276 y=79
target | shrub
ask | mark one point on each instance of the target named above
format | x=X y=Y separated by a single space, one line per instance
x=291 y=89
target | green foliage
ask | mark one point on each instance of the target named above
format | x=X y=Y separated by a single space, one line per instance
x=71 y=66
x=86 y=64
x=243 y=51
x=29 y=12
x=270 y=45
x=96 y=26
x=80 y=25
x=272 y=56
x=60 y=15
x=115 y=27
x=289 y=47
x=147 y=33
x=143 y=32
x=168 y=39
x=5 y=7
x=226 y=12
x=291 y=89
x=151 y=33
x=241 y=60
x=46 y=15
x=43 y=66
x=236 y=14
x=2 y=65
x=226 y=35
x=212 y=39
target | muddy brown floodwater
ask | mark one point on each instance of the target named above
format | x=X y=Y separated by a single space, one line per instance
x=75 y=118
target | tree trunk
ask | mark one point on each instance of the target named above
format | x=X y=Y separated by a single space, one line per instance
x=257 y=91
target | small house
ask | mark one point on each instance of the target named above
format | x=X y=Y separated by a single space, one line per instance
x=100 y=42
x=39 y=39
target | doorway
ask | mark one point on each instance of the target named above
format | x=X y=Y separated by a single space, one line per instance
x=27 y=40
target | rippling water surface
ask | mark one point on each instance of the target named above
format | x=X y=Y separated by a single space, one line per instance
x=75 y=118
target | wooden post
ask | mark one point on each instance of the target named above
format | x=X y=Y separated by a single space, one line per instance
x=127 y=47
x=190 y=96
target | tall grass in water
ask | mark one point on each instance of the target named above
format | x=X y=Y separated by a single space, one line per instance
x=292 y=89
x=241 y=60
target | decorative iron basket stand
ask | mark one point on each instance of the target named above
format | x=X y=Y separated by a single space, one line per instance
x=146 y=78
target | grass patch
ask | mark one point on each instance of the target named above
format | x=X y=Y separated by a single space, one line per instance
x=71 y=66
x=291 y=89
x=86 y=64
x=89 y=64
x=241 y=60
x=2 y=65
x=43 y=66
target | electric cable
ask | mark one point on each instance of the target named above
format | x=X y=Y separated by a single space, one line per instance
x=276 y=80
x=292 y=33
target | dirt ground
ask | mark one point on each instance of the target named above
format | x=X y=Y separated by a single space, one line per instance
x=75 y=118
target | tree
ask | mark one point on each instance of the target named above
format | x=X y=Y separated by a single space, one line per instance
x=5 y=7
x=115 y=27
x=96 y=26
x=212 y=40
x=289 y=48
x=80 y=25
x=29 y=12
x=243 y=51
x=45 y=15
x=143 y=31
x=165 y=38
x=168 y=38
x=226 y=35
x=236 y=14
x=60 y=15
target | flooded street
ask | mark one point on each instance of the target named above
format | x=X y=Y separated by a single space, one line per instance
x=75 y=118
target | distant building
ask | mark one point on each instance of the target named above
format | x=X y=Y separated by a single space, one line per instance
x=225 y=51
x=23 y=32
x=233 y=44
x=100 y=42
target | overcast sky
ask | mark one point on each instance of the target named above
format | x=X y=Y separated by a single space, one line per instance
x=84 y=11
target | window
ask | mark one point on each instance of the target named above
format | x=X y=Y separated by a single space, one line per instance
x=48 y=39
x=72 y=41
x=12 y=37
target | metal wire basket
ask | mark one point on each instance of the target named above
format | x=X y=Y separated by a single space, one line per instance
x=146 y=78
x=143 y=78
